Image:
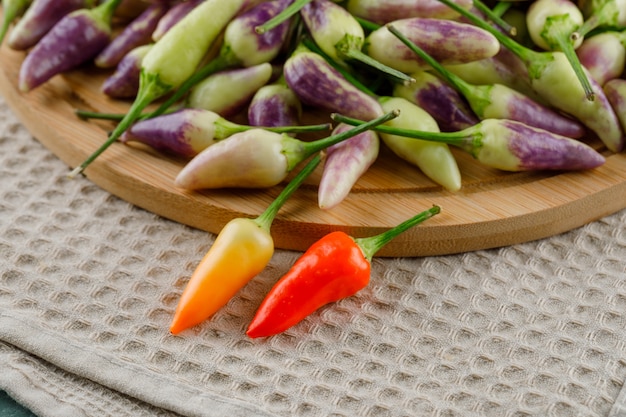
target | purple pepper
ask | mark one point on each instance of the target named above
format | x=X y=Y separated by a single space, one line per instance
x=509 y=145
x=318 y=84
x=447 y=41
x=344 y=164
x=124 y=82
x=385 y=11
x=74 y=40
x=40 y=17
x=173 y=16
x=138 y=32
x=497 y=101
x=604 y=55
x=184 y=133
x=615 y=91
x=275 y=105
x=187 y=132
x=440 y=100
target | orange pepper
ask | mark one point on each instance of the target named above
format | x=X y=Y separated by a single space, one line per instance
x=241 y=250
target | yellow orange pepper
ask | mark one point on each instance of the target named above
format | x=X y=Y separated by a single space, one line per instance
x=242 y=249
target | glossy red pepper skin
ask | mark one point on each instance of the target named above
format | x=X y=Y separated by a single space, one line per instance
x=332 y=268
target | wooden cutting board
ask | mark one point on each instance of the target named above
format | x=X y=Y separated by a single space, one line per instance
x=492 y=209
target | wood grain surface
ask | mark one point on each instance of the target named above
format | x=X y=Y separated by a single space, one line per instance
x=492 y=209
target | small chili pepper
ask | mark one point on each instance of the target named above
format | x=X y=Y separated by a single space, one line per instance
x=137 y=33
x=227 y=92
x=552 y=77
x=508 y=145
x=604 y=55
x=435 y=160
x=615 y=90
x=75 y=39
x=241 y=251
x=187 y=132
x=39 y=18
x=497 y=101
x=335 y=267
x=124 y=82
x=342 y=168
x=386 y=11
x=275 y=105
x=257 y=158
x=166 y=67
x=448 y=41
x=11 y=10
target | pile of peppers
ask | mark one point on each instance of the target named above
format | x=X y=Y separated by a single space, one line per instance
x=515 y=100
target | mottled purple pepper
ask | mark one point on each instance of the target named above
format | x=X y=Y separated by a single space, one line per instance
x=509 y=145
x=40 y=17
x=604 y=55
x=187 y=132
x=615 y=91
x=184 y=133
x=75 y=39
x=275 y=105
x=385 y=11
x=344 y=164
x=136 y=33
x=447 y=41
x=124 y=82
x=438 y=99
x=320 y=85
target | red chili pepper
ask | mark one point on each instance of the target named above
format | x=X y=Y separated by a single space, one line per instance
x=335 y=267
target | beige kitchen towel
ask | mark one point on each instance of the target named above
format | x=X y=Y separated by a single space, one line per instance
x=88 y=285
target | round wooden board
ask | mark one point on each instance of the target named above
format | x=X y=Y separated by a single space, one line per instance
x=493 y=208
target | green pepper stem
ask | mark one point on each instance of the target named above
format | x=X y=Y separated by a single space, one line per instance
x=230 y=127
x=371 y=245
x=501 y=7
x=150 y=89
x=104 y=12
x=358 y=55
x=555 y=30
x=466 y=139
x=227 y=125
x=285 y=14
x=496 y=17
x=266 y=218
x=366 y=24
x=296 y=150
